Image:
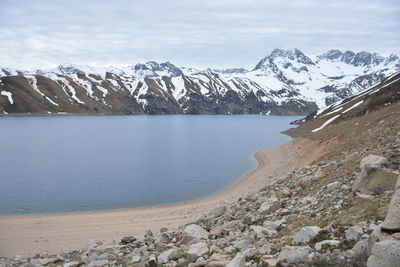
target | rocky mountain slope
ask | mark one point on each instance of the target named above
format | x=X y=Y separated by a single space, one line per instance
x=342 y=209
x=282 y=83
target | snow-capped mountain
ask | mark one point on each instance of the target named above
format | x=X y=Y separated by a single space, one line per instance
x=283 y=82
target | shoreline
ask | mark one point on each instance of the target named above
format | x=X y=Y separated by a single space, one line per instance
x=27 y=235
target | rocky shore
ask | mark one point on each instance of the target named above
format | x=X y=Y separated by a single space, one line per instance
x=343 y=209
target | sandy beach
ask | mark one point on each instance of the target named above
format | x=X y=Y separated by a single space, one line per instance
x=27 y=235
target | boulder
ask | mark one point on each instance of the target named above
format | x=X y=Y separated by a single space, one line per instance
x=244 y=243
x=332 y=186
x=227 y=227
x=374 y=177
x=354 y=233
x=385 y=254
x=294 y=254
x=72 y=264
x=216 y=212
x=98 y=263
x=391 y=223
x=168 y=255
x=42 y=261
x=274 y=225
x=193 y=232
x=238 y=261
x=361 y=249
x=162 y=238
x=306 y=234
x=261 y=232
x=271 y=204
x=197 y=250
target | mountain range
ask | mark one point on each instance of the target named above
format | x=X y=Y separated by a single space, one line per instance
x=285 y=82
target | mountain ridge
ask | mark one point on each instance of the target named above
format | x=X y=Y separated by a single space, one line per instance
x=285 y=82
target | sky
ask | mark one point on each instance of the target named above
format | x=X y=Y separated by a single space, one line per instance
x=203 y=33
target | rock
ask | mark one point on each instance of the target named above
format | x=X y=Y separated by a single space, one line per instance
x=244 y=242
x=98 y=263
x=332 y=186
x=136 y=258
x=71 y=264
x=305 y=181
x=354 y=233
x=261 y=232
x=385 y=254
x=197 y=250
x=238 y=261
x=162 y=238
x=392 y=219
x=306 y=234
x=274 y=225
x=226 y=228
x=294 y=254
x=270 y=205
x=362 y=198
x=166 y=256
x=374 y=177
x=128 y=239
x=193 y=232
x=362 y=249
x=331 y=243
x=216 y=212
x=42 y=261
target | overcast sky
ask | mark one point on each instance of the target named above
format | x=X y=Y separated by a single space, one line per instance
x=203 y=33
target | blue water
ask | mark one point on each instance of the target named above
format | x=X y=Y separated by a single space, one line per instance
x=86 y=163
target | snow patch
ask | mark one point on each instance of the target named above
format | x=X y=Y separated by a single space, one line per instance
x=326 y=123
x=8 y=95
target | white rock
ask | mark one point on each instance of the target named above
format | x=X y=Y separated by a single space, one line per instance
x=238 y=261
x=193 y=232
x=99 y=263
x=261 y=232
x=274 y=225
x=71 y=264
x=270 y=205
x=197 y=250
x=306 y=234
x=168 y=255
x=385 y=254
x=354 y=233
x=332 y=243
x=136 y=258
x=42 y=261
x=332 y=186
x=293 y=254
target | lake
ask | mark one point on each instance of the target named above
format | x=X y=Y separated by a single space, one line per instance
x=88 y=163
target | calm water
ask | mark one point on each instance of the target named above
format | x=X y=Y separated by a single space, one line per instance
x=63 y=164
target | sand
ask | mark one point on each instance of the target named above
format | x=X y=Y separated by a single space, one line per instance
x=27 y=235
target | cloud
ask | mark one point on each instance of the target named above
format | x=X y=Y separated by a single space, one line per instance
x=216 y=33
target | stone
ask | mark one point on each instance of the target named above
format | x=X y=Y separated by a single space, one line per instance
x=197 y=250
x=98 y=263
x=331 y=243
x=261 y=232
x=362 y=249
x=216 y=212
x=274 y=225
x=168 y=255
x=270 y=205
x=385 y=254
x=374 y=177
x=354 y=233
x=306 y=234
x=42 y=261
x=391 y=223
x=71 y=264
x=305 y=181
x=227 y=227
x=136 y=258
x=332 y=186
x=362 y=198
x=244 y=242
x=238 y=261
x=193 y=232
x=128 y=239
x=294 y=254
x=162 y=238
